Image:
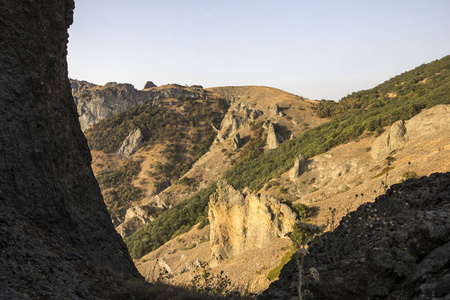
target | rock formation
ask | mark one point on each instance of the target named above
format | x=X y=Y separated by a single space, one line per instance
x=136 y=217
x=401 y=253
x=273 y=138
x=298 y=167
x=237 y=143
x=95 y=103
x=149 y=84
x=237 y=116
x=56 y=237
x=131 y=144
x=240 y=223
x=427 y=123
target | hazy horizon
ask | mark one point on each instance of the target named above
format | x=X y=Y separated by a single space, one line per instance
x=319 y=50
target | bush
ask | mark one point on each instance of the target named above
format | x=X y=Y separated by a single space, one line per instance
x=169 y=224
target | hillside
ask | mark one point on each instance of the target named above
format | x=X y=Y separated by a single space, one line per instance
x=313 y=153
x=358 y=165
x=254 y=162
x=340 y=179
x=184 y=142
x=394 y=248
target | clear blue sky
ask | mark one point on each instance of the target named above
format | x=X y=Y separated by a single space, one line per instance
x=316 y=49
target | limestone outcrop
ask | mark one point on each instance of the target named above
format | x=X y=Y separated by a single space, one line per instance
x=424 y=125
x=298 y=167
x=273 y=138
x=95 y=102
x=237 y=116
x=136 y=217
x=240 y=223
x=131 y=144
x=56 y=238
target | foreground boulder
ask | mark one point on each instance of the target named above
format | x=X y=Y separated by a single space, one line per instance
x=56 y=238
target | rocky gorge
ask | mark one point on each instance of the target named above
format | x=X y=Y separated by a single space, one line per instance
x=377 y=192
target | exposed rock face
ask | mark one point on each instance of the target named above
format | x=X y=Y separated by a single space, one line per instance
x=239 y=223
x=237 y=141
x=131 y=144
x=297 y=169
x=235 y=118
x=135 y=218
x=95 y=103
x=54 y=226
x=149 y=84
x=273 y=138
x=404 y=254
x=427 y=123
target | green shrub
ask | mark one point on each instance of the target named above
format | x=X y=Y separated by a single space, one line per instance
x=410 y=175
x=275 y=272
x=167 y=225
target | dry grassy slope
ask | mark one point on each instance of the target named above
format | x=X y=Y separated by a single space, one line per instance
x=247 y=272
x=349 y=169
x=339 y=175
x=150 y=155
x=298 y=117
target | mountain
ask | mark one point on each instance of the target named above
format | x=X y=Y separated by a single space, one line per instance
x=186 y=143
x=286 y=159
x=313 y=156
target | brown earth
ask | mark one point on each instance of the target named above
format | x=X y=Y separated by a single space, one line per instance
x=338 y=175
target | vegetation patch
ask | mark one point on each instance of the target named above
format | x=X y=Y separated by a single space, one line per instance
x=275 y=272
x=118 y=192
x=384 y=171
x=170 y=223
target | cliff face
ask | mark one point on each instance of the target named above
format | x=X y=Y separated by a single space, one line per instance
x=53 y=222
x=240 y=223
x=95 y=103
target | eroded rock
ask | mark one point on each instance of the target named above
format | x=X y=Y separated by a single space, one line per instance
x=426 y=124
x=131 y=144
x=298 y=167
x=149 y=84
x=95 y=103
x=273 y=138
x=239 y=223
x=237 y=143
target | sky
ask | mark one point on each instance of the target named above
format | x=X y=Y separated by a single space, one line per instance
x=317 y=49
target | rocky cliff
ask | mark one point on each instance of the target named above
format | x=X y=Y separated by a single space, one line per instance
x=395 y=248
x=95 y=103
x=56 y=238
x=239 y=222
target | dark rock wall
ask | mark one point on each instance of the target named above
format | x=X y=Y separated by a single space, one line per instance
x=395 y=248
x=46 y=182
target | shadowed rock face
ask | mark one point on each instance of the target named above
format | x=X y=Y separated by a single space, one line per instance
x=395 y=248
x=53 y=221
